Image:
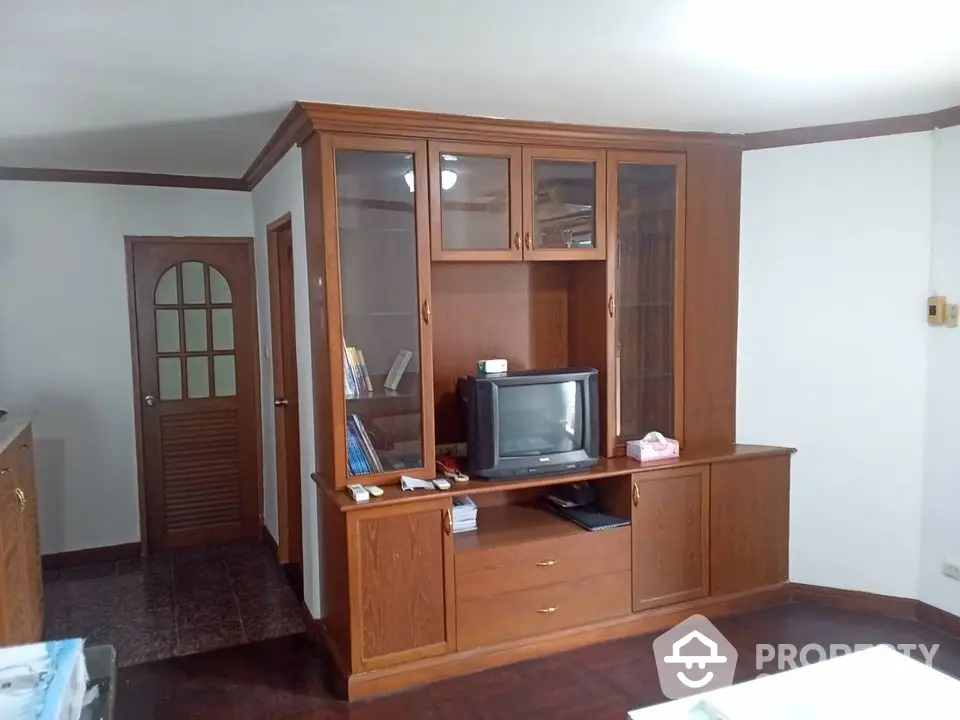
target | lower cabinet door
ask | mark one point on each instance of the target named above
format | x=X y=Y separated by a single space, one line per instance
x=401 y=579
x=670 y=525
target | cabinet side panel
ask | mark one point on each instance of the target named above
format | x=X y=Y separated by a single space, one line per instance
x=316 y=269
x=336 y=585
x=711 y=277
x=749 y=524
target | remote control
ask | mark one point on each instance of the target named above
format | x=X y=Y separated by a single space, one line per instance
x=375 y=490
x=358 y=492
x=441 y=484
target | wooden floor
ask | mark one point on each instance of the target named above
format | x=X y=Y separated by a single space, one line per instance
x=283 y=678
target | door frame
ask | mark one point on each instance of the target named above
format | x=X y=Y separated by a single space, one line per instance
x=129 y=242
x=284 y=542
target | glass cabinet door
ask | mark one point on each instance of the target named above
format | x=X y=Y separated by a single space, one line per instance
x=564 y=214
x=475 y=202
x=381 y=218
x=646 y=302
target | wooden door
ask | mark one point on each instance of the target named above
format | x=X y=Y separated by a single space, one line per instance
x=749 y=524
x=379 y=317
x=197 y=378
x=476 y=202
x=285 y=392
x=564 y=216
x=670 y=525
x=401 y=583
x=645 y=259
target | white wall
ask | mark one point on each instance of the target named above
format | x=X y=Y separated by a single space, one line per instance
x=835 y=250
x=65 y=339
x=941 y=496
x=281 y=192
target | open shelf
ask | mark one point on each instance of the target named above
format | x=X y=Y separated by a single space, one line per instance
x=499 y=525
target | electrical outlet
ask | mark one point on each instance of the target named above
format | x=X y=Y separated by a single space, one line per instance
x=951 y=569
x=449 y=449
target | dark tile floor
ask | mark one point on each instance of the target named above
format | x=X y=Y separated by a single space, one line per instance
x=284 y=678
x=173 y=604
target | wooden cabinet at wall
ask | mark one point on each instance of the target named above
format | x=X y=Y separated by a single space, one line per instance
x=21 y=585
x=749 y=521
x=513 y=203
x=377 y=301
x=645 y=261
x=670 y=522
x=401 y=582
x=476 y=202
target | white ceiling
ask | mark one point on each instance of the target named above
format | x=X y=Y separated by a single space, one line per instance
x=197 y=86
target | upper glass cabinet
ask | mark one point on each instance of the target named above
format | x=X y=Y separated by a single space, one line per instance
x=646 y=303
x=564 y=215
x=381 y=231
x=475 y=202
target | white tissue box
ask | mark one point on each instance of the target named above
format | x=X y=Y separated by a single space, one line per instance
x=653 y=446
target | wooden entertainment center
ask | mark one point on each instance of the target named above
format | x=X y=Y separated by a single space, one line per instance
x=445 y=240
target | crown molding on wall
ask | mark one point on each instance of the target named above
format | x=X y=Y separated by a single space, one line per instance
x=293 y=130
x=111 y=177
x=923 y=122
x=306 y=118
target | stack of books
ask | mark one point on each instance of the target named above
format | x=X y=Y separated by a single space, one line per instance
x=362 y=458
x=464 y=515
x=356 y=377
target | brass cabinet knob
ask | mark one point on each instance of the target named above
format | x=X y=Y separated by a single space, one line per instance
x=425 y=311
x=546 y=563
x=636 y=494
x=516 y=240
x=544 y=611
x=21 y=498
x=611 y=305
x=528 y=241
x=447 y=522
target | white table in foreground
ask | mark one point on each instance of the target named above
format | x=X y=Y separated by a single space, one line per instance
x=879 y=683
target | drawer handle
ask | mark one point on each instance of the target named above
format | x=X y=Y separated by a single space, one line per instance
x=636 y=495
x=25 y=446
x=545 y=611
x=447 y=522
x=4 y=471
x=21 y=498
x=546 y=563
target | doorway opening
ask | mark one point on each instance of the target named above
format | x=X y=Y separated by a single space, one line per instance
x=285 y=393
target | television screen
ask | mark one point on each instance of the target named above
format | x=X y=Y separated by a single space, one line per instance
x=540 y=419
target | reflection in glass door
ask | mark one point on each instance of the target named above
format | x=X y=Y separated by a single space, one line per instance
x=376 y=200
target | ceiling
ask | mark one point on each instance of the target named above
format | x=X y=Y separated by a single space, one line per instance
x=197 y=87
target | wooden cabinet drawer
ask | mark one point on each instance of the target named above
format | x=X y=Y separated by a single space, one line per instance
x=492 y=620
x=487 y=572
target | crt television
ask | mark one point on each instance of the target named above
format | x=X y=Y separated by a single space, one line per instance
x=532 y=422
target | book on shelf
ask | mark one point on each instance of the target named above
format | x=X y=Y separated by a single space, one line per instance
x=360 y=445
x=396 y=371
x=356 y=377
x=464 y=514
x=349 y=382
x=364 y=371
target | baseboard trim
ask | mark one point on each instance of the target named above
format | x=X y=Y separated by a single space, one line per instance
x=855 y=600
x=885 y=605
x=89 y=556
x=267 y=539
